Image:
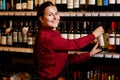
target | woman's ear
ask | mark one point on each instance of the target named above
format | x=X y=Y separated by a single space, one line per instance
x=41 y=19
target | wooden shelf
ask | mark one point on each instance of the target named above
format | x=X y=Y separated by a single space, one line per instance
x=62 y=14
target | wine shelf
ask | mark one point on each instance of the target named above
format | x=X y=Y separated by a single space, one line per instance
x=82 y=14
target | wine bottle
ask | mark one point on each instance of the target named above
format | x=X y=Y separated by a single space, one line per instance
x=18 y=4
x=99 y=5
x=36 y=4
x=84 y=29
x=9 y=34
x=15 y=34
x=58 y=5
x=70 y=5
x=117 y=5
x=71 y=30
x=64 y=5
x=20 y=38
x=3 y=34
x=90 y=5
x=24 y=4
x=83 y=5
x=76 y=5
x=3 y=4
x=111 y=6
x=112 y=38
x=30 y=5
x=64 y=32
x=30 y=35
x=24 y=34
x=105 y=5
x=77 y=30
x=118 y=37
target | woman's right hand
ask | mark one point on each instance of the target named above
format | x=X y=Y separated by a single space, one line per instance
x=98 y=31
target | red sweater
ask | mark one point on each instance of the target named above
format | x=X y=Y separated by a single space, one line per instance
x=51 y=52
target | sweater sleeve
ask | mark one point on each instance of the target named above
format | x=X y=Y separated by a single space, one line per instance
x=59 y=43
x=78 y=58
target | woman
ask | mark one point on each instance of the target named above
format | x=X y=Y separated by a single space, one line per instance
x=51 y=50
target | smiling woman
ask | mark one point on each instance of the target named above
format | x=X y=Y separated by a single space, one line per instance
x=51 y=56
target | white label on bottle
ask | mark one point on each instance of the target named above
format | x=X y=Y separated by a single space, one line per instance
x=64 y=1
x=18 y=6
x=24 y=32
x=118 y=1
x=9 y=40
x=36 y=2
x=64 y=36
x=117 y=39
x=40 y=2
x=101 y=40
x=70 y=4
x=76 y=4
x=91 y=2
x=58 y=1
x=71 y=36
x=3 y=41
x=82 y=35
x=30 y=41
x=77 y=36
x=82 y=1
x=15 y=37
x=30 y=4
x=112 y=39
x=24 y=5
x=111 y=1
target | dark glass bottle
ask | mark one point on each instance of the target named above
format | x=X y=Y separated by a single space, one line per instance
x=111 y=6
x=76 y=5
x=105 y=5
x=31 y=36
x=71 y=30
x=117 y=5
x=9 y=34
x=91 y=5
x=77 y=29
x=3 y=34
x=59 y=5
x=24 y=34
x=64 y=32
x=64 y=5
x=15 y=34
x=118 y=38
x=99 y=5
x=70 y=5
x=83 y=5
x=18 y=5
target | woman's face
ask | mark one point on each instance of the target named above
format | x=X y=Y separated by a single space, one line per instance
x=51 y=17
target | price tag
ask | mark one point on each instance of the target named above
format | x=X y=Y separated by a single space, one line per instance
x=117 y=56
x=12 y=49
x=100 y=55
x=5 y=13
x=102 y=14
x=79 y=13
x=5 y=49
x=1 y=13
x=17 y=13
x=94 y=13
x=109 y=14
x=34 y=13
x=108 y=55
x=22 y=13
x=116 y=14
x=72 y=13
x=87 y=14
x=11 y=13
x=64 y=13
x=28 y=13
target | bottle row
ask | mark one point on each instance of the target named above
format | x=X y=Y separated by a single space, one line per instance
x=93 y=75
x=110 y=40
x=18 y=33
x=62 y=5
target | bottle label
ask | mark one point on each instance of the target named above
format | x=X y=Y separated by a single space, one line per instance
x=101 y=40
x=58 y=2
x=111 y=1
x=77 y=36
x=76 y=4
x=3 y=41
x=91 y=2
x=24 y=5
x=70 y=36
x=70 y=4
x=64 y=1
x=99 y=3
x=15 y=37
x=64 y=36
x=30 y=41
x=118 y=1
x=30 y=4
x=82 y=35
x=9 y=40
x=82 y=1
x=18 y=6
x=112 y=39
x=105 y=2
x=24 y=32
x=117 y=39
